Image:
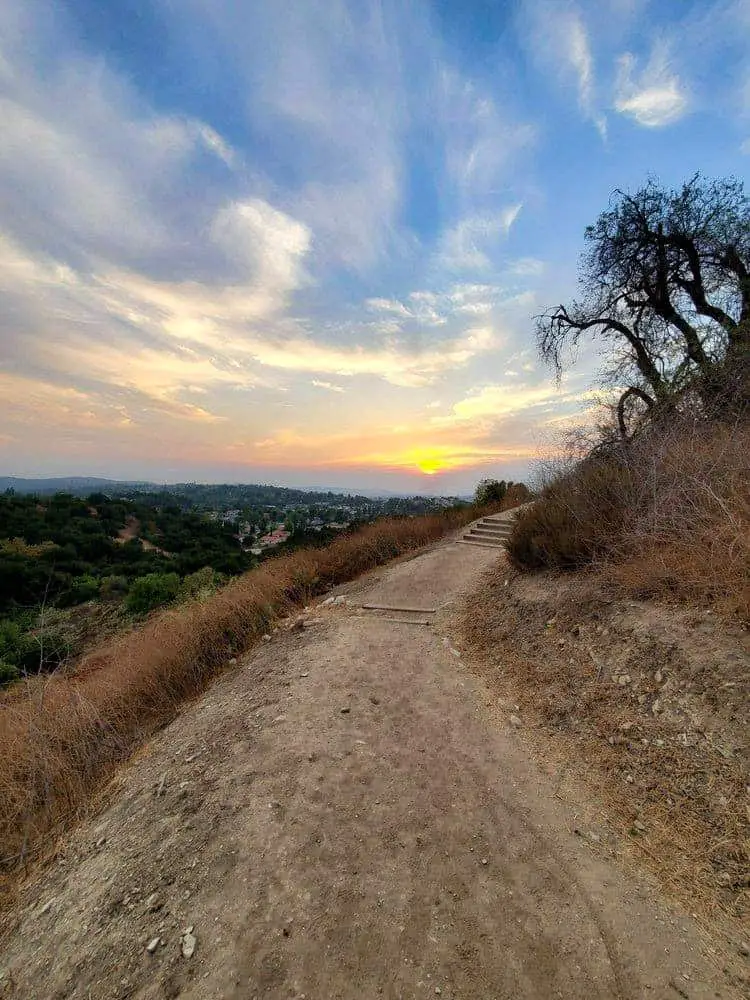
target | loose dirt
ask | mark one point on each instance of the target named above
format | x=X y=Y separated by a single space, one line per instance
x=346 y=814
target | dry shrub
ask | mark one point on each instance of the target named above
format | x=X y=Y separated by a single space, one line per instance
x=61 y=735
x=575 y=519
x=667 y=515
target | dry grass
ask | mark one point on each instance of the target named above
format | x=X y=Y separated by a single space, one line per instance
x=669 y=515
x=61 y=736
x=667 y=750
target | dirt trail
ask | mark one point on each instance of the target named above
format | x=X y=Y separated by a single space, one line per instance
x=345 y=815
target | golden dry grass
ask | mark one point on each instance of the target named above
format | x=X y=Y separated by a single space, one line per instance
x=62 y=735
x=669 y=516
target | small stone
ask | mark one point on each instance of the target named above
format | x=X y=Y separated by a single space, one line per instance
x=46 y=908
x=629 y=778
x=485 y=861
x=339 y=600
x=154 y=902
x=188 y=942
x=101 y=842
x=623 y=680
x=639 y=826
x=305 y=673
x=656 y=707
x=744 y=948
x=438 y=991
x=153 y=945
x=345 y=710
x=658 y=677
x=233 y=661
x=267 y=637
x=515 y=721
x=642 y=699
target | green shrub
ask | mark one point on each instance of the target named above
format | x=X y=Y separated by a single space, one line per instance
x=152 y=591
x=83 y=588
x=19 y=652
x=113 y=588
x=8 y=673
x=202 y=583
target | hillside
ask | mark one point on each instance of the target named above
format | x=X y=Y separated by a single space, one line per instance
x=74 y=569
x=349 y=812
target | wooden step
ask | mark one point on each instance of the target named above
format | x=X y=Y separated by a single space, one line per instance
x=485 y=533
x=495 y=542
x=468 y=540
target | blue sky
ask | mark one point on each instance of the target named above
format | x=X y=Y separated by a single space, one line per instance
x=304 y=241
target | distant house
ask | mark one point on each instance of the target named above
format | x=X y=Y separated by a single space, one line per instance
x=273 y=538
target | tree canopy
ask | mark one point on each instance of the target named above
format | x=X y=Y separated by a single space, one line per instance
x=665 y=283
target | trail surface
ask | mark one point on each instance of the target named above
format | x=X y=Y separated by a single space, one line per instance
x=344 y=815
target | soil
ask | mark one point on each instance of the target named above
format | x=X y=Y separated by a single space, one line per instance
x=348 y=814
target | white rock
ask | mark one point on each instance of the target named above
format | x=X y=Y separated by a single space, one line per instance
x=152 y=945
x=188 y=942
x=515 y=721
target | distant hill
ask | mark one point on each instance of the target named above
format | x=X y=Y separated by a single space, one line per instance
x=84 y=485
x=77 y=485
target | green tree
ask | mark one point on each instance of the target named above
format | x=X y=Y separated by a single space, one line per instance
x=490 y=491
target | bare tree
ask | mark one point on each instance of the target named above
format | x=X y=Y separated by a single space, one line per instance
x=665 y=281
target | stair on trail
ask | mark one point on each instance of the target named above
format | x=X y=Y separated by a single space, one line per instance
x=490 y=532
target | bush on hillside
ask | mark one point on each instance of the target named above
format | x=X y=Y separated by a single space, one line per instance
x=577 y=518
x=152 y=591
x=669 y=512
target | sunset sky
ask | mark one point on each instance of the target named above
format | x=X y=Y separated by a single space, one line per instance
x=302 y=241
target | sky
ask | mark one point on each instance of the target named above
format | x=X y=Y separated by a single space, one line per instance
x=303 y=241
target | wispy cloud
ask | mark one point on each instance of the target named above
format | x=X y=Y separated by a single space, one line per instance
x=557 y=38
x=656 y=96
x=467 y=245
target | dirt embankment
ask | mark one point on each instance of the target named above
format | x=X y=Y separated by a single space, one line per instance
x=651 y=702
